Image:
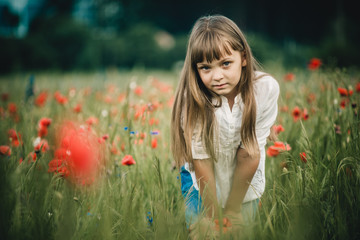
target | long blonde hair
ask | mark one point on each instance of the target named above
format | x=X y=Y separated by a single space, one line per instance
x=210 y=38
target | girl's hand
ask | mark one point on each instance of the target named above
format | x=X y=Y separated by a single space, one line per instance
x=203 y=229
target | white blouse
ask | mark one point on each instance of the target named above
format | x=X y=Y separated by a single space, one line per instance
x=229 y=123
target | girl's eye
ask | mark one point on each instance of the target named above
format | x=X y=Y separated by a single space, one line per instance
x=226 y=64
x=204 y=68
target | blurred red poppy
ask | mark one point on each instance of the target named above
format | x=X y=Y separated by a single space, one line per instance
x=305 y=114
x=314 y=64
x=43 y=145
x=14 y=137
x=344 y=92
x=138 y=90
x=40 y=100
x=289 y=77
x=92 y=121
x=5 y=150
x=58 y=166
x=278 y=128
x=61 y=99
x=296 y=113
x=77 y=108
x=128 y=160
x=277 y=148
x=357 y=87
x=12 y=108
x=303 y=157
x=154 y=143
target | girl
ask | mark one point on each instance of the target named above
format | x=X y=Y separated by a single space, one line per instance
x=222 y=115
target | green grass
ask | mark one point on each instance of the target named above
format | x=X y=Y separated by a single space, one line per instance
x=314 y=200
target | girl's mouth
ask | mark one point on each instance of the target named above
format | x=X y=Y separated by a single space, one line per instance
x=220 y=85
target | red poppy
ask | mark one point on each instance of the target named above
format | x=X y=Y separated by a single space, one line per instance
x=43 y=145
x=61 y=99
x=14 y=137
x=58 y=166
x=289 y=77
x=154 y=143
x=296 y=113
x=314 y=64
x=45 y=122
x=305 y=114
x=77 y=108
x=357 y=87
x=92 y=121
x=40 y=100
x=344 y=92
x=284 y=108
x=12 y=108
x=311 y=98
x=277 y=148
x=5 y=150
x=343 y=103
x=138 y=90
x=278 y=128
x=128 y=160
x=31 y=157
x=153 y=121
x=303 y=157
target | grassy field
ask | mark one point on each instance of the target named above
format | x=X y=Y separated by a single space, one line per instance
x=112 y=114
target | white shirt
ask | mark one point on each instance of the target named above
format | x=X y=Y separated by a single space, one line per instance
x=229 y=124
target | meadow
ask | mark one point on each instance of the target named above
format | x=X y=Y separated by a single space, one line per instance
x=127 y=186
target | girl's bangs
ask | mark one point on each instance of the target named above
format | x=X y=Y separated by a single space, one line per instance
x=210 y=46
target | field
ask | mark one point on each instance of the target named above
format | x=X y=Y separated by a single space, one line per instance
x=312 y=171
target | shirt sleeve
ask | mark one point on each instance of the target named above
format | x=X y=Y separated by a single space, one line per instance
x=268 y=94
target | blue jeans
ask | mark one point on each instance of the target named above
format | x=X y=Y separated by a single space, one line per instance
x=193 y=202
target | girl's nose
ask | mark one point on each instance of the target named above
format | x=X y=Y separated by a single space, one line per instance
x=218 y=75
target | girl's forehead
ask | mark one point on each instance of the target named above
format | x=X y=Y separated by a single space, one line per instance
x=210 y=52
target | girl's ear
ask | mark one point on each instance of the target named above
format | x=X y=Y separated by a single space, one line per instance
x=243 y=59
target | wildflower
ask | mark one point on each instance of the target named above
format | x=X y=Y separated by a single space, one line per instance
x=344 y=92
x=314 y=64
x=58 y=166
x=92 y=121
x=284 y=108
x=40 y=100
x=154 y=143
x=277 y=148
x=153 y=121
x=138 y=90
x=289 y=77
x=278 y=128
x=61 y=99
x=305 y=114
x=77 y=108
x=296 y=113
x=303 y=157
x=43 y=145
x=343 y=103
x=12 y=108
x=5 y=150
x=128 y=160
x=357 y=87
x=14 y=137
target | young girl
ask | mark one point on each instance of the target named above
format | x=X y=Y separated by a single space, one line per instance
x=222 y=115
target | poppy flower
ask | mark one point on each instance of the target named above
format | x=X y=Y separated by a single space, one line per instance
x=343 y=103
x=92 y=121
x=43 y=145
x=289 y=77
x=296 y=113
x=5 y=150
x=303 y=157
x=153 y=121
x=14 y=137
x=284 y=108
x=128 y=160
x=58 y=166
x=45 y=122
x=357 y=87
x=305 y=114
x=278 y=128
x=61 y=99
x=77 y=108
x=311 y=98
x=12 y=108
x=314 y=64
x=154 y=143
x=40 y=100
x=344 y=92
x=138 y=90
x=277 y=148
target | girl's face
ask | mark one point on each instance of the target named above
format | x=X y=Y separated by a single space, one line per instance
x=222 y=76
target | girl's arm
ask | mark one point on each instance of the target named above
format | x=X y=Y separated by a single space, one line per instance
x=244 y=171
x=204 y=171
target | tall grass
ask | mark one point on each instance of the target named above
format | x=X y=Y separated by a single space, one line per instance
x=314 y=200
